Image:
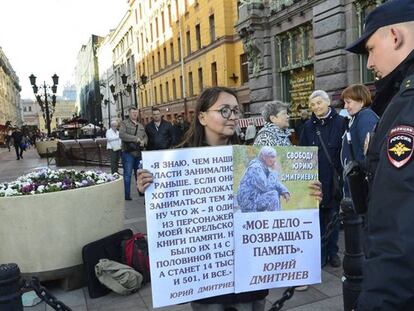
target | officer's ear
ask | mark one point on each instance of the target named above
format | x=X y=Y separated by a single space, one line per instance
x=397 y=37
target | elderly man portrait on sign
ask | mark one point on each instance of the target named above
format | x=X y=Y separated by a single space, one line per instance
x=260 y=188
x=388 y=271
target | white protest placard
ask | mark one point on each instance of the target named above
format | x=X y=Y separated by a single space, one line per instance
x=189 y=211
x=276 y=219
x=276 y=249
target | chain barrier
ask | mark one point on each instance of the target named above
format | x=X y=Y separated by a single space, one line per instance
x=45 y=295
x=288 y=293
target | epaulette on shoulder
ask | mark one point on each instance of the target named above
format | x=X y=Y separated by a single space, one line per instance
x=407 y=86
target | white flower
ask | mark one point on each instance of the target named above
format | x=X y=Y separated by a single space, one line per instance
x=41 y=188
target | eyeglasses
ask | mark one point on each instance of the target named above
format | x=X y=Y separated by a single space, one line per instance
x=227 y=111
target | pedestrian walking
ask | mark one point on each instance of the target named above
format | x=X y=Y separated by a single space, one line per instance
x=161 y=134
x=113 y=144
x=388 y=271
x=324 y=130
x=134 y=139
x=17 y=136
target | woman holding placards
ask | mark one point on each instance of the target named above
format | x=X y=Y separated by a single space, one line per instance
x=215 y=119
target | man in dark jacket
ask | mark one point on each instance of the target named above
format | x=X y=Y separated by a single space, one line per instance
x=388 y=271
x=160 y=132
x=331 y=126
x=17 y=136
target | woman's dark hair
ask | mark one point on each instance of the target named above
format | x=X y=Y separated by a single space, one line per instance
x=195 y=136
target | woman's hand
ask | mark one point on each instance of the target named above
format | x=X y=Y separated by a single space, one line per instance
x=144 y=179
x=316 y=190
x=286 y=196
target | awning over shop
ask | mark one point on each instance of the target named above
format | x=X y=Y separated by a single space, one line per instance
x=257 y=121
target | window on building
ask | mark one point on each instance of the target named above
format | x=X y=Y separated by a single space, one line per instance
x=212 y=25
x=152 y=33
x=161 y=95
x=190 y=84
x=169 y=15
x=174 y=89
x=296 y=47
x=308 y=44
x=140 y=11
x=150 y=3
x=165 y=57
x=179 y=48
x=172 y=52
x=198 y=36
x=163 y=22
x=200 y=80
x=30 y=108
x=142 y=42
x=24 y=109
x=214 y=74
x=153 y=63
x=177 y=9
x=146 y=98
x=157 y=32
x=188 y=35
x=181 y=87
x=167 y=92
x=159 y=60
x=156 y=95
x=285 y=51
x=244 y=69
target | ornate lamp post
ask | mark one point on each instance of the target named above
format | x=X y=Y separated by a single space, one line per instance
x=115 y=95
x=133 y=85
x=46 y=101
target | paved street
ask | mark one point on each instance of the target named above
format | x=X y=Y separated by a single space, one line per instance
x=326 y=296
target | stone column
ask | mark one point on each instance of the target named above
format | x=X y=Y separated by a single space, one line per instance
x=329 y=43
x=254 y=29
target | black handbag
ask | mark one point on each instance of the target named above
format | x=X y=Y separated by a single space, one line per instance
x=133 y=146
x=338 y=181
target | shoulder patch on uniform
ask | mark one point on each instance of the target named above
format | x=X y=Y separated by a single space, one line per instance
x=400 y=145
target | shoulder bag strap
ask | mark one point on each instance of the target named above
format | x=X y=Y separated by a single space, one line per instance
x=318 y=133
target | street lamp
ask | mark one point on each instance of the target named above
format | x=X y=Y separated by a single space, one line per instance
x=141 y=85
x=106 y=102
x=115 y=95
x=47 y=107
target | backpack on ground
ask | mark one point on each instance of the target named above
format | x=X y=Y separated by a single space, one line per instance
x=135 y=255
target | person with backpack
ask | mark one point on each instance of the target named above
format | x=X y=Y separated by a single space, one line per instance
x=275 y=131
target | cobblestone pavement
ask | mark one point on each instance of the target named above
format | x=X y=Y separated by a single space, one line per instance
x=326 y=296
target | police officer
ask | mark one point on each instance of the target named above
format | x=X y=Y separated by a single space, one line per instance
x=388 y=272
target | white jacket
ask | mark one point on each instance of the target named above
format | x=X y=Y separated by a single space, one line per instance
x=113 y=140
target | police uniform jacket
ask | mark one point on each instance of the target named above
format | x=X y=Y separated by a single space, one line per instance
x=388 y=272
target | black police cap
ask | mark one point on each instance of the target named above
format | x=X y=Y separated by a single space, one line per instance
x=390 y=13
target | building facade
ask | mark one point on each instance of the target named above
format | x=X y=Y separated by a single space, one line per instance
x=10 y=109
x=296 y=46
x=87 y=81
x=31 y=112
x=184 y=46
x=109 y=107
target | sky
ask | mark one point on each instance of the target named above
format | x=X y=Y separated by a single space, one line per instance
x=44 y=37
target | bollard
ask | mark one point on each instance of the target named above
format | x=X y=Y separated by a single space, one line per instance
x=353 y=255
x=10 y=294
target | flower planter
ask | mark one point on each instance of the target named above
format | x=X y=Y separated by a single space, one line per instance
x=46 y=147
x=44 y=233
